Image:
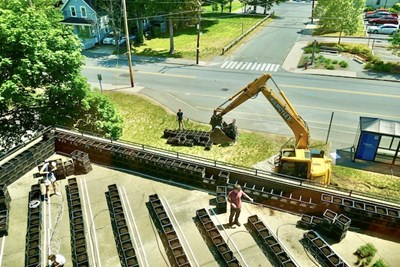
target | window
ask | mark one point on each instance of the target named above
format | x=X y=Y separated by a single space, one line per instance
x=73 y=11
x=83 y=12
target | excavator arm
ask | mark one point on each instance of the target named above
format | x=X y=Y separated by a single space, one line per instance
x=281 y=105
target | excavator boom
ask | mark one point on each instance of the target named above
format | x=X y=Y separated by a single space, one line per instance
x=300 y=161
x=281 y=105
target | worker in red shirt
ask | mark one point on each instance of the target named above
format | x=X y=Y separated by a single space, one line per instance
x=234 y=197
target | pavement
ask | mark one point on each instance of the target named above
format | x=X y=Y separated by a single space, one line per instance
x=182 y=202
x=290 y=64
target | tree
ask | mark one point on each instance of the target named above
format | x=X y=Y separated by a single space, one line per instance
x=266 y=4
x=341 y=16
x=115 y=17
x=223 y=3
x=175 y=11
x=40 y=76
x=394 y=41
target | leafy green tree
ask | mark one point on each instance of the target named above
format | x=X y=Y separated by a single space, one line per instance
x=40 y=76
x=266 y=4
x=394 y=41
x=176 y=11
x=223 y=3
x=341 y=16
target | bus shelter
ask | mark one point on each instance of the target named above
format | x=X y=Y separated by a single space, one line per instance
x=378 y=140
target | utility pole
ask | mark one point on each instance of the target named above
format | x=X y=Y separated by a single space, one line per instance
x=128 y=43
x=312 y=11
x=313 y=52
x=198 y=36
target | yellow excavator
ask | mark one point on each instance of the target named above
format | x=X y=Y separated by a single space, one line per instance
x=298 y=161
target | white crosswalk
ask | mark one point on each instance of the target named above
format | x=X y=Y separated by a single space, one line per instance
x=250 y=66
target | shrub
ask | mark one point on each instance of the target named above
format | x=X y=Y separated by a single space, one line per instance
x=380 y=263
x=335 y=61
x=343 y=64
x=330 y=67
x=368 y=66
x=328 y=61
x=366 y=250
x=321 y=59
x=396 y=6
x=308 y=50
x=368 y=8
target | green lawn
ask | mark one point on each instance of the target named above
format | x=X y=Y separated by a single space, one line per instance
x=145 y=121
x=218 y=30
x=236 y=7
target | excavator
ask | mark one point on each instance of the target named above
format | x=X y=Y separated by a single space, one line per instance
x=297 y=160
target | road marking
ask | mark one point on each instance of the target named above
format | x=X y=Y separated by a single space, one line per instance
x=254 y=66
x=325 y=109
x=229 y=64
x=263 y=66
x=141 y=72
x=233 y=65
x=238 y=66
x=339 y=91
x=225 y=63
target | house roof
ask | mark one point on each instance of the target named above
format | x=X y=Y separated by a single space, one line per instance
x=88 y=2
x=77 y=21
x=381 y=126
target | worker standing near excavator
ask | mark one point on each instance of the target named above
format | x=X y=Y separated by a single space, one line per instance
x=179 y=116
x=235 y=199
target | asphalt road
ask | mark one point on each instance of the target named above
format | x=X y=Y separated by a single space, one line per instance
x=200 y=89
x=273 y=43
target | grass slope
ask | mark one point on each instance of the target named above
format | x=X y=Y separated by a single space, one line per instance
x=145 y=121
x=217 y=29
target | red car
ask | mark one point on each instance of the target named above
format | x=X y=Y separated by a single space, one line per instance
x=384 y=20
x=377 y=10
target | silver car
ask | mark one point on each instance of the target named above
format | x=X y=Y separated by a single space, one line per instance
x=383 y=29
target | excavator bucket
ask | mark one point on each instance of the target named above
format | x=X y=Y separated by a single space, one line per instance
x=217 y=136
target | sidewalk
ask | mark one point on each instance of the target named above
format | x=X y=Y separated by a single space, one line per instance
x=354 y=70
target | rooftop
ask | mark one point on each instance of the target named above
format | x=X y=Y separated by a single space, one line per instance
x=181 y=203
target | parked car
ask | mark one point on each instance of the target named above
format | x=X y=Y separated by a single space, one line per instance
x=384 y=20
x=376 y=10
x=122 y=39
x=383 y=29
x=379 y=14
x=109 y=39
